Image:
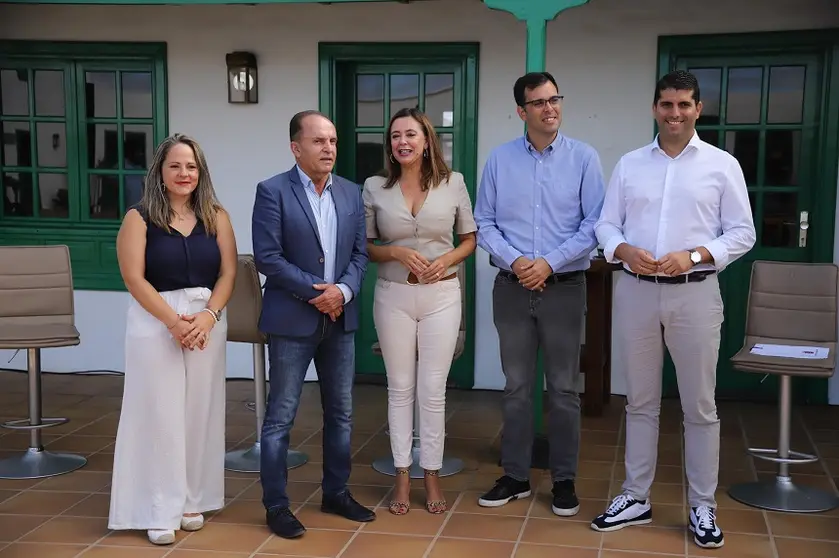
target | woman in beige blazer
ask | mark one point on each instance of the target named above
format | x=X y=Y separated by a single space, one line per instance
x=413 y=213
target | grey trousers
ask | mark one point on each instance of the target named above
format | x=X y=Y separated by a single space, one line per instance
x=527 y=321
x=687 y=318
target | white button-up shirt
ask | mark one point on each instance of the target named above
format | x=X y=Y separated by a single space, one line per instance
x=663 y=204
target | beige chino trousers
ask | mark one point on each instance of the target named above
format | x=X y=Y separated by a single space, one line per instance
x=687 y=318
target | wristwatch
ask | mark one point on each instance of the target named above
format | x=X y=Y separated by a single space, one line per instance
x=695 y=257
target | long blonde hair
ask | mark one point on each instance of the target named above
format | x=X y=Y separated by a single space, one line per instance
x=203 y=200
x=434 y=169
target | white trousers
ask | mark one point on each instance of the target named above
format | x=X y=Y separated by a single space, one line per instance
x=417 y=326
x=687 y=318
x=169 y=456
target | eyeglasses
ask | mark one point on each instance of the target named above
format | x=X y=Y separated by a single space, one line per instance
x=540 y=103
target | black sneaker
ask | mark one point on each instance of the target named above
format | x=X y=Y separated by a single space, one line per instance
x=282 y=523
x=623 y=512
x=506 y=490
x=703 y=524
x=565 y=502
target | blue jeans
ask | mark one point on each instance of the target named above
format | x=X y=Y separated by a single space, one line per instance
x=334 y=353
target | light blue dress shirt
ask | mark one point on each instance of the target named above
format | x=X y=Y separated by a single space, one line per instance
x=323 y=206
x=540 y=205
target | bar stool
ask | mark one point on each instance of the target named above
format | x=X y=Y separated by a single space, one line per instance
x=789 y=304
x=451 y=465
x=243 y=312
x=36 y=312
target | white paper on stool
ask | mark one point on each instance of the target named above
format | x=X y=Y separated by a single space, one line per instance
x=790 y=351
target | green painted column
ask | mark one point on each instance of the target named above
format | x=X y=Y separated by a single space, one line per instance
x=536 y=14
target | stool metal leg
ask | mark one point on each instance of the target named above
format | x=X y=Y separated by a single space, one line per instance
x=37 y=463
x=384 y=465
x=248 y=460
x=782 y=494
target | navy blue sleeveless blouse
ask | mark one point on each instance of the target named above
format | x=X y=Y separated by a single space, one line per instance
x=175 y=261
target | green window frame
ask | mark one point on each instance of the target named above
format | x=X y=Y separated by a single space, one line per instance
x=110 y=118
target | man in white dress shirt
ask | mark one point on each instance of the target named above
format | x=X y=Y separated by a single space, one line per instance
x=676 y=213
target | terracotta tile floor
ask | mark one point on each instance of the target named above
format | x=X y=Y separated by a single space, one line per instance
x=65 y=516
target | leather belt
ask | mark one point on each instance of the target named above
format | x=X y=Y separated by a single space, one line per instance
x=551 y=279
x=693 y=277
x=412 y=279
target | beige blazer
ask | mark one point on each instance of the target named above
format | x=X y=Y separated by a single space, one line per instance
x=447 y=209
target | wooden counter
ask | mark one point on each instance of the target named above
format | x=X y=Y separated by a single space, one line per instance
x=596 y=360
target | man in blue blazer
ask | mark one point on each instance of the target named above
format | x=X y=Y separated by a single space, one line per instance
x=309 y=240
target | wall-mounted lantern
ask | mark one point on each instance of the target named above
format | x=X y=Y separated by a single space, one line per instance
x=242 y=84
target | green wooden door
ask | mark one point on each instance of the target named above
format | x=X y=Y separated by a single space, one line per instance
x=764 y=110
x=367 y=94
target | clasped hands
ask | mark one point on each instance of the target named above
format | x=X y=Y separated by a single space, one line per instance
x=330 y=301
x=193 y=330
x=531 y=273
x=641 y=261
x=427 y=272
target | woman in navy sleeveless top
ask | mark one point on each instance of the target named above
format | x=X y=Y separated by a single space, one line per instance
x=177 y=256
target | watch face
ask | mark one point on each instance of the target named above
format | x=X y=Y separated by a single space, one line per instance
x=695 y=257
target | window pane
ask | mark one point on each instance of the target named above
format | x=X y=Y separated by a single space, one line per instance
x=132 y=188
x=136 y=95
x=710 y=89
x=744 y=145
x=786 y=94
x=370 y=96
x=744 y=86
x=780 y=220
x=17 y=149
x=439 y=99
x=101 y=94
x=709 y=136
x=14 y=93
x=53 y=195
x=104 y=196
x=49 y=93
x=52 y=144
x=447 y=144
x=17 y=194
x=369 y=156
x=102 y=146
x=782 y=157
x=137 y=146
x=404 y=92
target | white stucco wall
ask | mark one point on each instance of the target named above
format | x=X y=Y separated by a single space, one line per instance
x=607 y=81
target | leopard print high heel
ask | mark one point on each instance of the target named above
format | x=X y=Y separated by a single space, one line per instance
x=400 y=508
x=435 y=506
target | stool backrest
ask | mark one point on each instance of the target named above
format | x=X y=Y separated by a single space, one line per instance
x=795 y=301
x=245 y=304
x=36 y=286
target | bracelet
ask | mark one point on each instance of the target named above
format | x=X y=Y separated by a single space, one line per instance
x=176 y=322
x=212 y=312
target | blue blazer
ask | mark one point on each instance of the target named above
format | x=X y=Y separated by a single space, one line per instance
x=287 y=250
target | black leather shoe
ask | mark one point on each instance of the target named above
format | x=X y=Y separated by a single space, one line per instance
x=345 y=505
x=283 y=523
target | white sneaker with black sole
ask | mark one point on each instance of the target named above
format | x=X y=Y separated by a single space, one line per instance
x=703 y=525
x=623 y=512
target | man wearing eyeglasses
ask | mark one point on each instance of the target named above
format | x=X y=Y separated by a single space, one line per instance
x=539 y=199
